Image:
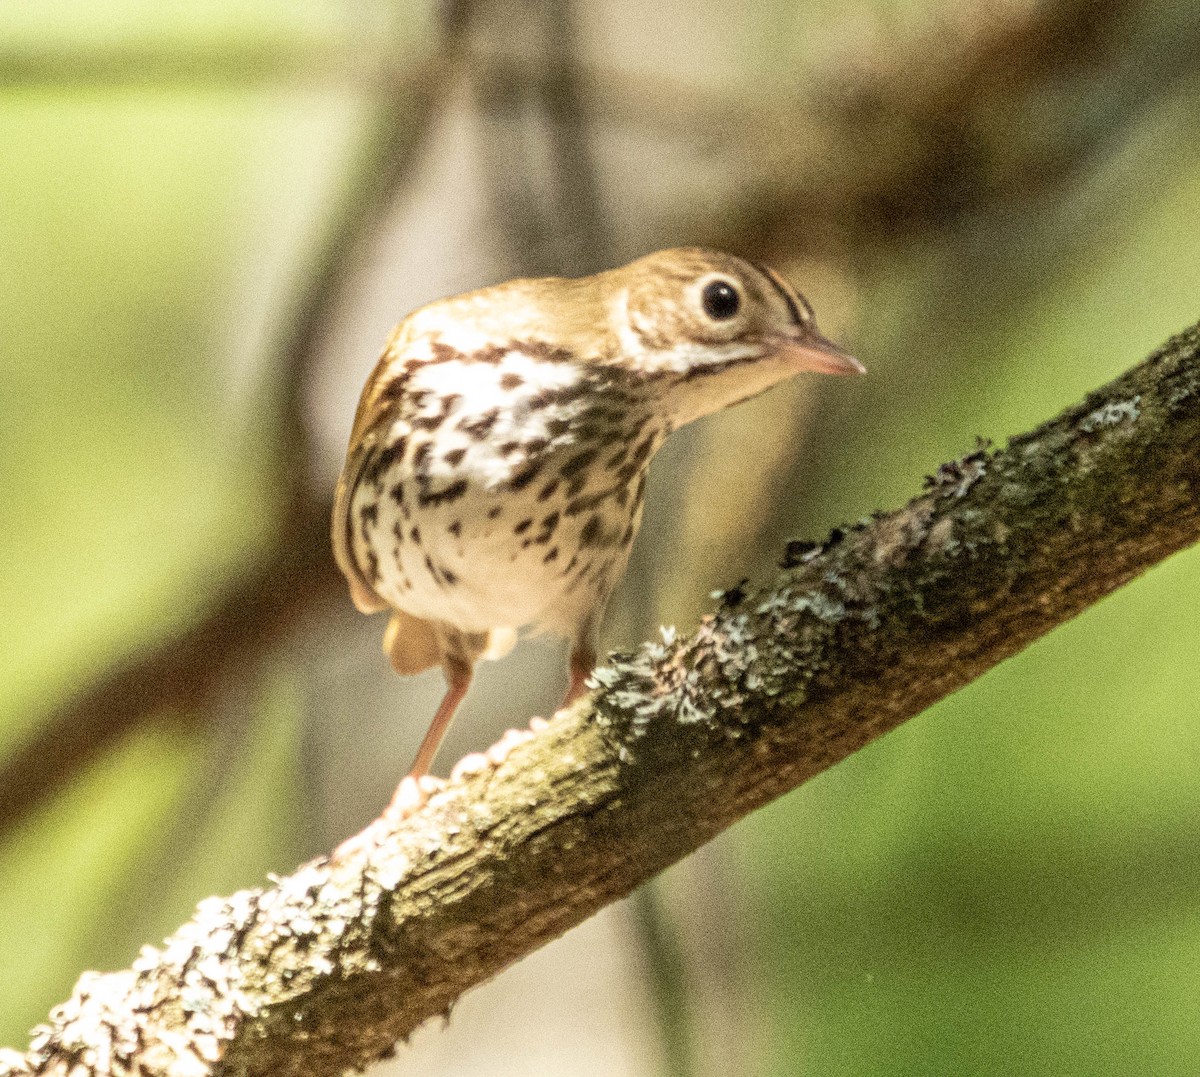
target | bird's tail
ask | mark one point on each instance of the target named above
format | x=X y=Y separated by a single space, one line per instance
x=411 y=644
x=500 y=642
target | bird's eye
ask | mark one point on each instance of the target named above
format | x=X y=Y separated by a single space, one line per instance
x=720 y=300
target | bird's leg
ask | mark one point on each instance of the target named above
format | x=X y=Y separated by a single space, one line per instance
x=458 y=680
x=583 y=661
x=410 y=794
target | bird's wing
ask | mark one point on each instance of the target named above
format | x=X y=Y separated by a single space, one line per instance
x=411 y=644
x=341 y=531
x=375 y=410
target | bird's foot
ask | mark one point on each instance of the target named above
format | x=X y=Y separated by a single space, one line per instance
x=412 y=793
x=410 y=796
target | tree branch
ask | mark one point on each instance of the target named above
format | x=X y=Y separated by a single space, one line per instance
x=329 y=967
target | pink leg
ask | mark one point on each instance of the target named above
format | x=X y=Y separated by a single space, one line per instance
x=458 y=680
x=409 y=795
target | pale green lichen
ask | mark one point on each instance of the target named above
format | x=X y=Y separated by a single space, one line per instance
x=1112 y=414
x=765 y=647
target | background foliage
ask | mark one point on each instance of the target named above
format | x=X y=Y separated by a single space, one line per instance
x=211 y=214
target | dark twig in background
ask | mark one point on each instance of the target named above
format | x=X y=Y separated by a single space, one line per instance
x=536 y=123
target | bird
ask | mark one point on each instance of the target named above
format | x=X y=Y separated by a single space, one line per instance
x=494 y=478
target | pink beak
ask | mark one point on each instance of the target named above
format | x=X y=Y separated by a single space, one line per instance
x=811 y=351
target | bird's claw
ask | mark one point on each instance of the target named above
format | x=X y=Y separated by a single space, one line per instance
x=412 y=794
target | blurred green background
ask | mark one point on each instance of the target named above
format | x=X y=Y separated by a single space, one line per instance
x=210 y=215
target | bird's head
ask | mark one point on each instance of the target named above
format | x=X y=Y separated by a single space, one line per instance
x=713 y=329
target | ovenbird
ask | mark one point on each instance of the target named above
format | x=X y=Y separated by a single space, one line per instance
x=496 y=466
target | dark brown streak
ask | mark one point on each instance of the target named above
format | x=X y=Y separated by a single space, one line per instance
x=441 y=497
x=383 y=461
x=590 y=533
x=434 y=421
x=785 y=292
x=578 y=462
x=479 y=426
x=545 y=352
x=583 y=504
x=525 y=476
x=565 y=394
x=705 y=370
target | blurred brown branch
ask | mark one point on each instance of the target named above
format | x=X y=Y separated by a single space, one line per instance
x=328 y=968
x=988 y=106
x=172 y=679
x=536 y=137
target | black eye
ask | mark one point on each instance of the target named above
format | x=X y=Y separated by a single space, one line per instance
x=720 y=300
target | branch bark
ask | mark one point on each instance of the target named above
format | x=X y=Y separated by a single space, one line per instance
x=330 y=967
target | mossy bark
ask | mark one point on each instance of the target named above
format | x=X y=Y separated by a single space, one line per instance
x=330 y=967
